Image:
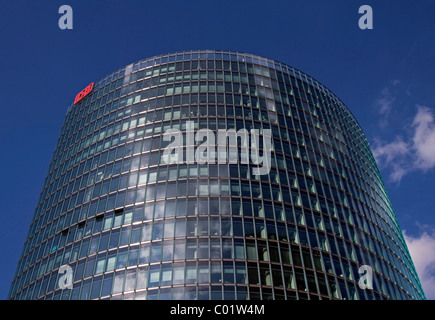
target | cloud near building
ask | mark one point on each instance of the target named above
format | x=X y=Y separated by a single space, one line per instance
x=406 y=154
x=422 y=250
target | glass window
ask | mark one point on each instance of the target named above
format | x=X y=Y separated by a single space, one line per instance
x=118 y=283
x=154 y=276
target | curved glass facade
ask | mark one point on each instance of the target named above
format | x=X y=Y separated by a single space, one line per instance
x=131 y=225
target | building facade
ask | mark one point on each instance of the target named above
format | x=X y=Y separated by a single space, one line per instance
x=125 y=213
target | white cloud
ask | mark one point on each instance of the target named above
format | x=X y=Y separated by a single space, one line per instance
x=391 y=150
x=398 y=172
x=394 y=156
x=422 y=250
x=424 y=138
x=407 y=154
x=386 y=100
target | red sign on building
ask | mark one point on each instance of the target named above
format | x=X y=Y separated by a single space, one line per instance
x=83 y=93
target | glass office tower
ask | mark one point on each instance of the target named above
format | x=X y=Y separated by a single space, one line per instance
x=117 y=220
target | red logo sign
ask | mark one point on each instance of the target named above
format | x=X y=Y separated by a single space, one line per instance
x=83 y=93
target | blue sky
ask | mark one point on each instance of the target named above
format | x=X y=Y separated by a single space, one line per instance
x=385 y=76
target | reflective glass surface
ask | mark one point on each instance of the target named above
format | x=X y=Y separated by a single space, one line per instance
x=132 y=226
